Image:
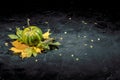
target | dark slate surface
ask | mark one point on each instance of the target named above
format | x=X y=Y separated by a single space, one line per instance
x=89 y=51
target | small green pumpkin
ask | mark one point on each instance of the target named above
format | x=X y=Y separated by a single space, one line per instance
x=32 y=35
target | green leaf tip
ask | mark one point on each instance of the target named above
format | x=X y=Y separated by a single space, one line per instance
x=13 y=36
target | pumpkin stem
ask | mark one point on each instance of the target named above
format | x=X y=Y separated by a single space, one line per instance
x=28 y=22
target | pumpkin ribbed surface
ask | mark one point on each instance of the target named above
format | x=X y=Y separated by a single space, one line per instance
x=32 y=35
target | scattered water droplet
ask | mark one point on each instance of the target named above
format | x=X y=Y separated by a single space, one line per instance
x=91 y=46
x=60 y=54
x=65 y=32
x=84 y=36
x=92 y=40
x=70 y=18
x=36 y=60
x=10 y=29
x=98 y=39
x=85 y=44
x=6 y=44
x=77 y=59
x=72 y=55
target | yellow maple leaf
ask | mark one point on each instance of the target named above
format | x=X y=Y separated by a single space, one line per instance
x=24 y=50
x=27 y=52
x=23 y=55
x=38 y=50
x=19 y=45
x=46 y=35
x=15 y=50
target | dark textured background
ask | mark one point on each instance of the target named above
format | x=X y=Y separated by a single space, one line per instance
x=78 y=26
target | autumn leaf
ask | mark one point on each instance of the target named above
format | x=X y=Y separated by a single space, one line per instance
x=19 y=45
x=26 y=53
x=25 y=50
x=15 y=50
x=46 y=34
x=38 y=50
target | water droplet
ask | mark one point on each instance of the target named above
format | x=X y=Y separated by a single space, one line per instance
x=72 y=55
x=77 y=59
x=85 y=53
x=61 y=38
x=92 y=40
x=10 y=29
x=78 y=36
x=95 y=23
x=60 y=54
x=84 y=36
x=91 y=46
x=46 y=22
x=65 y=32
x=6 y=44
x=36 y=60
x=70 y=18
x=98 y=39
x=85 y=44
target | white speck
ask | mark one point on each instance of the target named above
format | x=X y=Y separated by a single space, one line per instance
x=77 y=59
x=36 y=60
x=56 y=49
x=70 y=18
x=72 y=55
x=65 y=32
x=78 y=36
x=61 y=38
x=85 y=44
x=85 y=53
x=6 y=44
x=95 y=23
x=98 y=39
x=60 y=54
x=46 y=22
x=85 y=23
x=91 y=46
x=92 y=40
x=10 y=29
x=84 y=36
